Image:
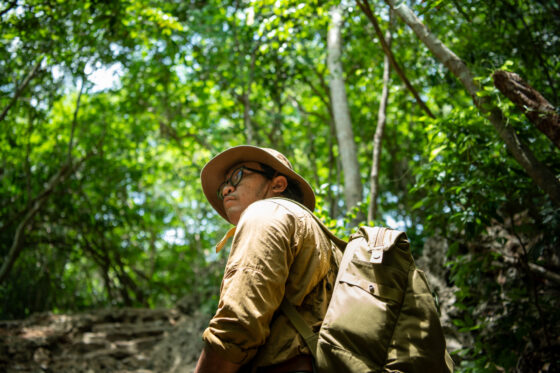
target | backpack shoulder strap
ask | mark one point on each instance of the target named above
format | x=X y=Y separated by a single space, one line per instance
x=311 y=339
x=337 y=241
x=301 y=326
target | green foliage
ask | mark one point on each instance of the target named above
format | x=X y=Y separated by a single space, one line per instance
x=466 y=186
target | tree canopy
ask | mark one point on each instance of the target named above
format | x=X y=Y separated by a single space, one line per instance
x=109 y=110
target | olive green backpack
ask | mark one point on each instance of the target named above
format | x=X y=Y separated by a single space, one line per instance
x=382 y=316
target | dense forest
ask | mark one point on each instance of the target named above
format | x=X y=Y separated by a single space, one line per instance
x=437 y=117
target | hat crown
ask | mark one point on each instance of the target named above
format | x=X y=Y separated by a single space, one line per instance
x=281 y=157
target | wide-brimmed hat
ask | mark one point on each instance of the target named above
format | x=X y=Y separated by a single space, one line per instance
x=213 y=174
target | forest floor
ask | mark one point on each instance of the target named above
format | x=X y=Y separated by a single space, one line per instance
x=120 y=340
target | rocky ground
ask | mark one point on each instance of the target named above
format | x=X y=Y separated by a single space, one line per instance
x=121 y=340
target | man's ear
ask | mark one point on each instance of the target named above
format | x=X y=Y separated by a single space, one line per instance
x=279 y=184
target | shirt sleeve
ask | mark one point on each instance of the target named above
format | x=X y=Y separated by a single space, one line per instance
x=263 y=249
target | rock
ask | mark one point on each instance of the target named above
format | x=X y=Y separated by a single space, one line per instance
x=123 y=340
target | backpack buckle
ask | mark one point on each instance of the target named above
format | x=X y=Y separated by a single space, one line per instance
x=376 y=255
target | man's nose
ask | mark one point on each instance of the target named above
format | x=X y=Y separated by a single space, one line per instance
x=228 y=188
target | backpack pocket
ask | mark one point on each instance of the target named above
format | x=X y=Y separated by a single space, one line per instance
x=365 y=303
x=378 y=280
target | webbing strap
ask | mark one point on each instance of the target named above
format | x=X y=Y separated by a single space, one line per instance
x=311 y=339
x=301 y=326
x=379 y=239
x=378 y=244
x=337 y=241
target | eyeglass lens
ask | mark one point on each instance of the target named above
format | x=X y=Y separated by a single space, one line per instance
x=233 y=180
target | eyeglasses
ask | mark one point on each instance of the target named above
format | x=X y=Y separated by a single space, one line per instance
x=236 y=177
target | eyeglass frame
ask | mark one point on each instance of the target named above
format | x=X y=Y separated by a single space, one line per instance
x=235 y=172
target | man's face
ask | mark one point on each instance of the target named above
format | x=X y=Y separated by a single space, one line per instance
x=252 y=187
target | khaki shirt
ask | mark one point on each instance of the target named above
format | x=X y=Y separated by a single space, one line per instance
x=278 y=250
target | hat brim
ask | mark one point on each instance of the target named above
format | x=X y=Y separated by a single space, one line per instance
x=212 y=175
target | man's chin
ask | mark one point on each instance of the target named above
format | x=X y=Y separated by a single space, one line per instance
x=233 y=215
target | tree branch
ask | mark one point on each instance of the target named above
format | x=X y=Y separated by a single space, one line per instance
x=309 y=113
x=324 y=96
x=534 y=268
x=537 y=109
x=364 y=6
x=27 y=163
x=10 y=6
x=538 y=172
x=36 y=206
x=75 y=122
x=20 y=89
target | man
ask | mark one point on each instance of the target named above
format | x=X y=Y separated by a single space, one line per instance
x=278 y=251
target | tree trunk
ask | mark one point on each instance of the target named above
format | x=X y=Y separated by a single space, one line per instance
x=378 y=137
x=541 y=175
x=537 y=108
x=343 y=124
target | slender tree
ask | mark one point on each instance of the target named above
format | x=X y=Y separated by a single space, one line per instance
x=379 y=131
x=343 y=123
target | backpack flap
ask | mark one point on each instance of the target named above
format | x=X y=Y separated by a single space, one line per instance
x=381 y=245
